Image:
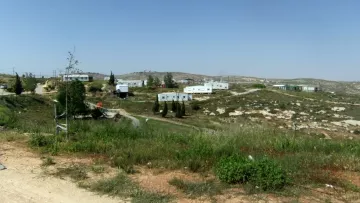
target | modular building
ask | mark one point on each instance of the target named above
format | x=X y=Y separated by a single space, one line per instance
x=217 y=85
x=83 y=78
x=122 y=90
x=174 y=96
x=131 y=83
x=198 y=89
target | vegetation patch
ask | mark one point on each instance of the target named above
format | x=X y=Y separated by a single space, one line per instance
x=264 y=173
x=197 y=189
x=75 y=172
x=122 y=186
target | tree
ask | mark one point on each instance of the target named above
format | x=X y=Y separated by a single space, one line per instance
x=156 y=106
x=183 y=109
x=168 y=80
x=18 y=88
x=178 y=110
x=157 y=82
x=150 y=81
x=112 y=79
x=165 y=110
x=173 y=106
x=30 y=84
x=75 y=98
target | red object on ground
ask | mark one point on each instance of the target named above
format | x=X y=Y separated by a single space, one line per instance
x=99 y=105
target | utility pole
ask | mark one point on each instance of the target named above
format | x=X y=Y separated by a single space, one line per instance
x=13 y=70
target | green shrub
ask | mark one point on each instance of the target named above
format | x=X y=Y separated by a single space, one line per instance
x=259 y=86
x=268 y=175
x=4 y=115
x=195 y=106
x=234 y=169
x=38 y=140
x=263 y=173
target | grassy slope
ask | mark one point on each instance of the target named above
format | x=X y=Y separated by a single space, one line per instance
x=307 y=160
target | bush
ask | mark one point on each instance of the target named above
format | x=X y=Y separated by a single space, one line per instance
x=263 y=173
x=195 y=106
x=234 y=169
x=95 y=88
x=38 y=140
x=268 y=175
x=4 y=115
x=259 y=86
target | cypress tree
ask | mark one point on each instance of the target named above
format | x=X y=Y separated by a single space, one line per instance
x=18 y=85
x=183 y=109
x=165 y=110
x=173 y=106
x=178 y=110
x=156 y=106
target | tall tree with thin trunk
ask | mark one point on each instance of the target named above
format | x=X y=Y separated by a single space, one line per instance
x=165 y=110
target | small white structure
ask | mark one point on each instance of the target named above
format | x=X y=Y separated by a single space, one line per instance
x=217 y=85
x=106 y=78
x=198 y=89
x=131 y=83
x=306 y=88
x=282 y=87
x=123 y=88
x=83 y=78
x=170 y=96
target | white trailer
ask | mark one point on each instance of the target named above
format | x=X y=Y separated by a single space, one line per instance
x=124 y=88
x=198 y=89
x=217 y=85
x=131 y=83
x=83 y=78
x=174 y=96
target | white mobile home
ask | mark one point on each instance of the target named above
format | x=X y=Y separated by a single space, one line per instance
x=170 y=96
x=122 y=88
x=83 y=78
x=198 y=89
x=217 y=85
x=131 y=83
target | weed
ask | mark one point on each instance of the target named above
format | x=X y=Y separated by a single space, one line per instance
x=197 y=189
x=263 y=173
x=98 y=168
x=48 y=161
x=75 y=172
x=122 y=186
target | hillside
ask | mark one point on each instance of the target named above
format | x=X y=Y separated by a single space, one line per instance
x=326 y=85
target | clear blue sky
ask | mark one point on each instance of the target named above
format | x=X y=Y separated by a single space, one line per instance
x=263 y=38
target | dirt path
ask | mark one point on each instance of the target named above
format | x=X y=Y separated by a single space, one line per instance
x=24 y=181
x=112 y=112
x=243 y=93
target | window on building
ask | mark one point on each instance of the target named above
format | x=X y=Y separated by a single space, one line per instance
x=184 y=97
x=163 y=97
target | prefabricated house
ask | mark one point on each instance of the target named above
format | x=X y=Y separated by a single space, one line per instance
x=122 y=90
x=198 y=89
x=131 y=83
x=83 y=78
x=170 y=96
x=217 y=85
x=282 y=87
x=306 y=88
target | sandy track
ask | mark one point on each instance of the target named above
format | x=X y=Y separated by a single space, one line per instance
x=24 y=182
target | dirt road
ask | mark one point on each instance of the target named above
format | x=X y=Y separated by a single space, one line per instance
x=24 y=181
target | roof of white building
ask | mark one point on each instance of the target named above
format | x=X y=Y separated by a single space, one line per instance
x=76 y=75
